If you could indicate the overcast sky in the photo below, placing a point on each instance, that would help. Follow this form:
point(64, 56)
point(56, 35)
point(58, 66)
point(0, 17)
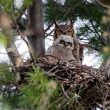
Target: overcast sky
point(90, 59)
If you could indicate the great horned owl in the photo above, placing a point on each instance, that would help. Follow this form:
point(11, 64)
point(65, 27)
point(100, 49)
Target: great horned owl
point(68, 30)
point(61, 50)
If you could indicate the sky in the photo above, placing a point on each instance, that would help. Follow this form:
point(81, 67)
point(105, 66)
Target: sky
point(89, 59)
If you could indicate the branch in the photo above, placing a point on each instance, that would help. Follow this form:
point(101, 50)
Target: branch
point(48, 34)
point(23, 37)
point(49, 26)
point(91, 47)
point(91, 21)
point(100, 37)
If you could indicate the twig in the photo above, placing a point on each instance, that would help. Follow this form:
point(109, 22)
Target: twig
point(49, 26)
point(52, 69)
point(23, 37)
point(48, 34)
point(104, 102)
point(64, 91)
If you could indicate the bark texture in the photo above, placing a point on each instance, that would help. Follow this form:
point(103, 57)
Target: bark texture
point(36, 23)
point(6, 23)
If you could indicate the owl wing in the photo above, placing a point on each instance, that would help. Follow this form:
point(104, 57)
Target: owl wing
point(78, 50)
point(52, 54)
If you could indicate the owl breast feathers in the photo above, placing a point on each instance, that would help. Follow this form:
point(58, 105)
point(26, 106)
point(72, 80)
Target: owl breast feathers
point(61, 50)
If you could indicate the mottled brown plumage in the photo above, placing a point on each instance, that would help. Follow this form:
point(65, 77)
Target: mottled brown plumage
point(68, 29)
point(61, 50)
point(64, 34)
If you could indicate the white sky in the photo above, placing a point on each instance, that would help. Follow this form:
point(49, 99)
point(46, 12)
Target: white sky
point(90, 60)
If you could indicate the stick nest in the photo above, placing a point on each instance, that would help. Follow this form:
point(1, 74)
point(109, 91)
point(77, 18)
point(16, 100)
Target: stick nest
point(88, 84)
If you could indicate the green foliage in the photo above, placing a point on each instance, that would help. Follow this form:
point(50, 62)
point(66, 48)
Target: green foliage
point(35, 94)
point(10, 8)
point(40, 93)
point(3, 39)
point(66, 103)
point(27, 3)
point(38, 90)
point(56, 11)
point(53, 11)
point(7, 5)
point(73, 9)
point(37, 83)
point(6, 76)
point(7, 37)
point(22, 9)
point(90, 13)
point(105, 53)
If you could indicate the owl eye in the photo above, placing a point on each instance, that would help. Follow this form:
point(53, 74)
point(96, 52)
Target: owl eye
point(69, 31)
point(58, 31)
point(63, 42)
point(69, 44)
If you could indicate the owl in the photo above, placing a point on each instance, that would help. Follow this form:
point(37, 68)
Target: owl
point(61, 50)
point(68, 30)
point(65, 29)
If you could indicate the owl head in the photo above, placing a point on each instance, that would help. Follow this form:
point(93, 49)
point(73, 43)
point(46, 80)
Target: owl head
point(65, 42)
point(66, 29)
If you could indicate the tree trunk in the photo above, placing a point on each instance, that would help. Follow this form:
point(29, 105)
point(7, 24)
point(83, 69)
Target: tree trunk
point(11, 49)
point(37, 40)
point(14, 55)
point(6, 23)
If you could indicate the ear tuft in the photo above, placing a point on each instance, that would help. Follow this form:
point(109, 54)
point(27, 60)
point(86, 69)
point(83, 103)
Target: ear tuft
point(56, 23)
point(70, 22)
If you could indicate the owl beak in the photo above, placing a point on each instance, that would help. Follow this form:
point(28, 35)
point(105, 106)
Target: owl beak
point(63, 33)
point(66, 44)
point(63, 45)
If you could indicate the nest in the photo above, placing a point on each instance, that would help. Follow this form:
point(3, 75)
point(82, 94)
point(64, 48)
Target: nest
point(85, 82)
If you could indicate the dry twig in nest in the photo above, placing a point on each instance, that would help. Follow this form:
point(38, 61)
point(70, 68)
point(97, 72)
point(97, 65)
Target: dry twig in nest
point(86, 82)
